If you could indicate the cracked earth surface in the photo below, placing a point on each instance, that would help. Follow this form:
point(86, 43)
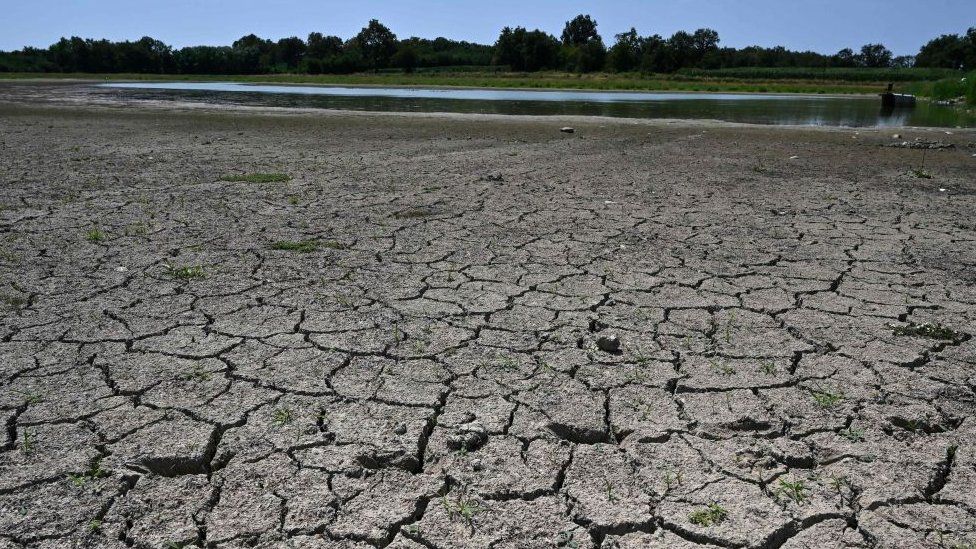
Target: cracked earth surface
point(427, 373)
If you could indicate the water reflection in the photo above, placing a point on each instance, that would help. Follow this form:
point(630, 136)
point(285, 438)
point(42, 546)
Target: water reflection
point(805, 110)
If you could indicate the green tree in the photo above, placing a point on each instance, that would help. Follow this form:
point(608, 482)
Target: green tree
point(579, 31)
point(875, 56)
point(706, 41)
point(322, 47)
point(625, 54)
point(377, 43)
point(406, 57)
point(289, 52)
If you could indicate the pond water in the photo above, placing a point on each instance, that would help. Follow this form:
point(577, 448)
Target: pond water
point(804, 110)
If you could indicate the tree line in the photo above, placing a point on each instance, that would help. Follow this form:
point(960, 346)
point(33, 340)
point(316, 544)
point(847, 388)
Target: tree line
point(580, 48)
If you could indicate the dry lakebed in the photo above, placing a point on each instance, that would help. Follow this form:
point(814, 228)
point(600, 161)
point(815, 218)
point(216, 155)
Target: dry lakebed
point(259, 327)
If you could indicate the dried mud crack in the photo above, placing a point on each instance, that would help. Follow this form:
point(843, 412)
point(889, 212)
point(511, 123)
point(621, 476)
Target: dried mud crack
point(271, 328)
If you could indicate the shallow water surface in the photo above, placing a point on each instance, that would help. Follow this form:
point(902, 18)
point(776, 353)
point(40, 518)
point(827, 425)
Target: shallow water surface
point(804, 110)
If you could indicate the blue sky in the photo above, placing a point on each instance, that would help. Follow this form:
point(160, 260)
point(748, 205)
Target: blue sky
point(821, 25)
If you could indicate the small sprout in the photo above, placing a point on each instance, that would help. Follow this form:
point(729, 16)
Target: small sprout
point(508, 363)
point(463, 507)
point(197, 373)
point(795, 490)
point(256, 178)
point(185, 273)
point(728, 328)
point(920, 173)
point(95, 235)
point(608, 487)
point(826, 399)
point(710, 516)
point(28, 441)
point(852, 434)
point(671, 480)
point(724, 369)
point(567, 539)
point(282, 416)
point(32, 398)
point(334, 245)
point(94, 471)
point(94, 525)
point(302, 246)
point(640, 357)
point(768, 368)
point(293, 200)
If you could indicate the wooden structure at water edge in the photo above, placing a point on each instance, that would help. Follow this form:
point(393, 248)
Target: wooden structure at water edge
point(891, 100)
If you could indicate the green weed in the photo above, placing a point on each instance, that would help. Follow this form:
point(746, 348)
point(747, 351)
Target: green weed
point(185, 273)
point(303, 246)
point(709, 516)
point(95, 235)
point(463, 507)
point(794, 490)
point(282, 416)
point(853, 435)
point(826, 399)
point(930, 331)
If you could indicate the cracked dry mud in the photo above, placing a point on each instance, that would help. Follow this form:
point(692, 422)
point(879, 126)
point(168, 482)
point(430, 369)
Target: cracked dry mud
point(429, 375)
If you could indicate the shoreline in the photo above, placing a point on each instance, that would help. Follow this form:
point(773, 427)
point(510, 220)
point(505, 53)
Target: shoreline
point(47, 95)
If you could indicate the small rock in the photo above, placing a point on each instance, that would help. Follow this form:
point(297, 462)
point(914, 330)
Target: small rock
point(468, 417)
point(469, 437)
point(567, 129)
point(477, 465)
point(400, 429)
point(896, 136)
point(609, 344)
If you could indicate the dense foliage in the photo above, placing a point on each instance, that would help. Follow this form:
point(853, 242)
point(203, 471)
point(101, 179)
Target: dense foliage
point(579, 49)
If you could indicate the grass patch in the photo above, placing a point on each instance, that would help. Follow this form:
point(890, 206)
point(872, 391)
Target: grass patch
point(919, 173)
point(282, 416)
point(95, 235)
point(13, 302)
point(301, 246)
point(185, 273)
point(709, 516)
point(826, 399)
point(930, 331)
point(256, 178)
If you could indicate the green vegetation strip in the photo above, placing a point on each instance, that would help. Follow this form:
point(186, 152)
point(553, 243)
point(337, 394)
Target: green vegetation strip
point(302, 246)
point(256, 178)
